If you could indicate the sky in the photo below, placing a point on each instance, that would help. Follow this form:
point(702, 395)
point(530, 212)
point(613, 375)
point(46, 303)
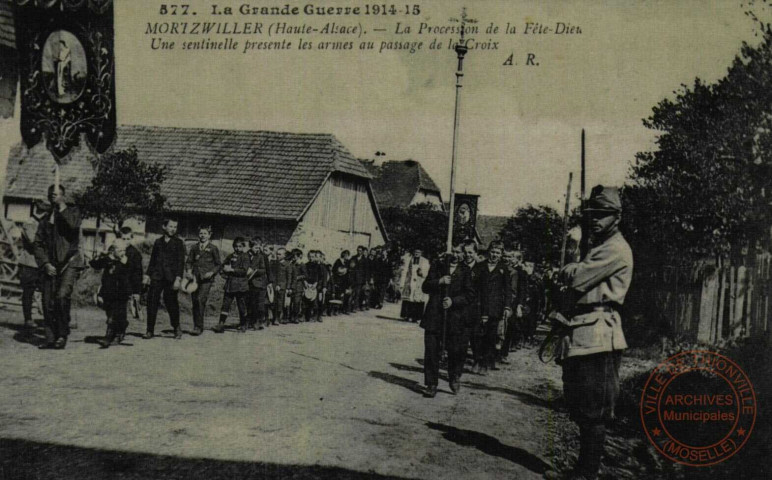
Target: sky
point(519, 126)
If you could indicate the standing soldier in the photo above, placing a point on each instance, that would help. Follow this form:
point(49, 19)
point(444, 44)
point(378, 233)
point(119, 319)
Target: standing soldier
point(56, 247)
point(450, 290)
point(591, 348)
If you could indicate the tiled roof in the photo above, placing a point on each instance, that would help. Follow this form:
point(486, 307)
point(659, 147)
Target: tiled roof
point(7, 35)
point(396, 182)
point(232, 172)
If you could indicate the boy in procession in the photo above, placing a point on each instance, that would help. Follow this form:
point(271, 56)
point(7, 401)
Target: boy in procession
point(164, 275)
point(298, 275)
point(115, 290)
point(234, 269)
point(341, 283)
point(281, 276)
point(203, 264)
point(258, 281)
point(314, 287)
point(494, 299)
point(135, 276)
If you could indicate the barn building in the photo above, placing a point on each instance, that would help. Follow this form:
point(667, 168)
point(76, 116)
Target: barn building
point(292, 189)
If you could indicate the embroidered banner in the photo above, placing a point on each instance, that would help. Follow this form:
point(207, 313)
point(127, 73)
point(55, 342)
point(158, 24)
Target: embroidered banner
point(465, 217)
point(67, 71)
point(9, 72)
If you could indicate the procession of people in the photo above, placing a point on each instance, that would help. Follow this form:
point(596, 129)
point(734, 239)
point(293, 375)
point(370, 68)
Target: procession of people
point(469, 302)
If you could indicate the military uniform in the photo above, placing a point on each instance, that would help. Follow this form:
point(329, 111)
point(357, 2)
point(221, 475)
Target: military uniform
point(590, 349)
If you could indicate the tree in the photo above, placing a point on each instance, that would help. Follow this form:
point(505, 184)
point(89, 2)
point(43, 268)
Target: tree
point(707, 186)
point(123, 187)
point(539, 232)
point(418, 226)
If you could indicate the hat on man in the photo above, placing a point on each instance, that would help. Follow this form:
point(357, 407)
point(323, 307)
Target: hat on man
point(604, 199)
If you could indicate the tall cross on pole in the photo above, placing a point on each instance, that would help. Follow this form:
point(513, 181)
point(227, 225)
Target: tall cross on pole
point(461, 50)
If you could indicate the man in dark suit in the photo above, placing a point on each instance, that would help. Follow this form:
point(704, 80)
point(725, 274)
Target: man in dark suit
point(259, 277)
point(514, 329)
point(56, 249)
point(450, 290)
point(281, 276)
point(314, 278)
point(164, 274)
point(382, 273)
point(494, 297)
point(358, 270)
point(341, 279)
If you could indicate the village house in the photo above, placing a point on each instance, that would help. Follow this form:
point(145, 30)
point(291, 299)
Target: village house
point(292, 189)
point(403, 183)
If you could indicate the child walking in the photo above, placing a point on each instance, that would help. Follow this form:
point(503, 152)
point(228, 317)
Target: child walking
point(234, 269)
point(116, 289)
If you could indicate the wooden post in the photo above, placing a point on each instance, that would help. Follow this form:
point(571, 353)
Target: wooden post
point(566, 211)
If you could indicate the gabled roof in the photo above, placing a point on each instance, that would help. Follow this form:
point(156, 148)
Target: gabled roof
point(231, 172)
point(396, 182)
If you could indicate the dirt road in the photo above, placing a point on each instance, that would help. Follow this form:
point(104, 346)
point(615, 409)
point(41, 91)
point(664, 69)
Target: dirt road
point(338, 399)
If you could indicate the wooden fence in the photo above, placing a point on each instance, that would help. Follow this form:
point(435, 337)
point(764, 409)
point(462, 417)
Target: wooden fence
point(712, 301)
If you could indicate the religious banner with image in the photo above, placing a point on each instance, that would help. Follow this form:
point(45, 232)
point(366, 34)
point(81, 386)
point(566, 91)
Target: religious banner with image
point(67, 73)
point(465, 217)
point(9, 74)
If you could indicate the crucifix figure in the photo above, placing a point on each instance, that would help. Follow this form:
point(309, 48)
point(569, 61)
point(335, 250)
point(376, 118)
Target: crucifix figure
point(463, 21)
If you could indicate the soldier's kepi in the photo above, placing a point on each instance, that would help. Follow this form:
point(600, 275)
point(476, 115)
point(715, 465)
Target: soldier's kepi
point(591, 346)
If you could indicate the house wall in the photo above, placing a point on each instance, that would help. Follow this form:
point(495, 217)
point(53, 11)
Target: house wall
point(341, 217)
